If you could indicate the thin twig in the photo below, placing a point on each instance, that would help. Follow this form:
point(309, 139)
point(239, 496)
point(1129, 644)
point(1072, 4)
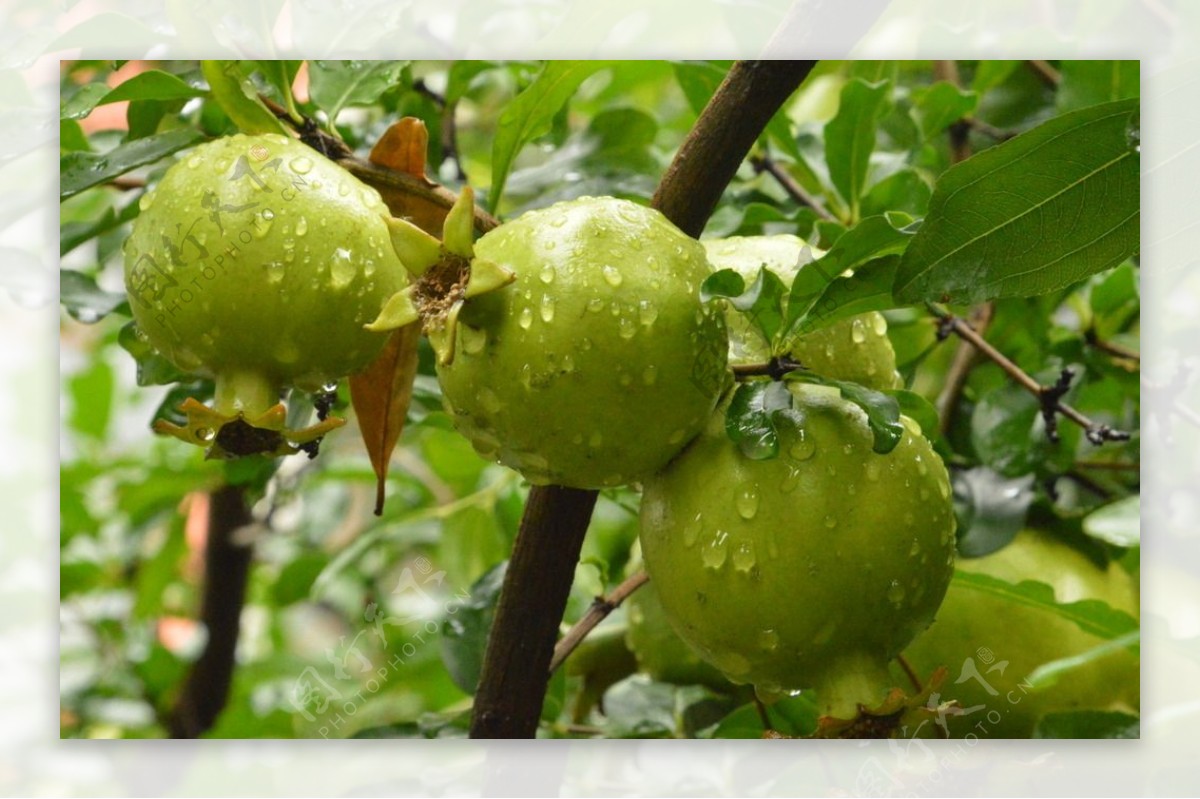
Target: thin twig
point(1047, 73)
point(965, 358)
point(1050, 396)
point(911, 673)
point(765, 163)
point(775, 368)
point(598, 612)
point(1112, 348)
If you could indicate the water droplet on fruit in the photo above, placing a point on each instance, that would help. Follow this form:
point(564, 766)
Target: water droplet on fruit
point(922, 469)
point(895, 592)
point(830, 521)
point(275, 272)
point(873, 471)
point(341, 268)
point(368, 267)
point(595, 440)
point(848, 449)
point(858, 331)
point(734, 664)
point(568, 363)
point(549, 244)
point(343, 189)
point(803, 447)
point(650, 375)
point(193, 162)
point(768, 640)
point(558, 221)
point(828, 350)
point(301, 226)
point(909, 518)
point(595, 305)
point(547, 308)
point(626, 328)
point(147, 200)
point(611, 275)
point(547, 274)
point(526, 318)
point(879, 325)
point(488, 400)
point(789, 483)
point(647, 312)
point(915, 549)
point(747, 501)
point(301, 165)
point(943, 489)
point(743, 557)
point(691, 530)
point(717, 550)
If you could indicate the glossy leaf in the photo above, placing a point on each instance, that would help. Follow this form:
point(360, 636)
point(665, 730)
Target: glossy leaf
point(238, 98)
point(1031, 215)
point(80, 170)
point(334, 85)
point(941, 105)
point(530, 114)
point(85, 300)
point(1118, 523)
point(464, 634)
point(868, 289)
point(1086, 83)
point(1090, 615)
point(753, 415)
point(882, 410)
point(761, 302)
point(991, 509)
point(850, 137)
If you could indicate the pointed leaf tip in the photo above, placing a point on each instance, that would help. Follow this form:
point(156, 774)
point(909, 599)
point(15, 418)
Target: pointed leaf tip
point(398, 311)
point(416, 249)
point(458, 232)
point(487, 276)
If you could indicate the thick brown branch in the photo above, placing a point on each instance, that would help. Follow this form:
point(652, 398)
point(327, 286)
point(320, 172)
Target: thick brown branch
point(598, 612)
point(516, 664)
point(709, 158)
point(765, 163)
point(226, 566)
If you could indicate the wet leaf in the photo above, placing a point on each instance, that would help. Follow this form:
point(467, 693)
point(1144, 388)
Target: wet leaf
point(238, 98)
point(82, 170)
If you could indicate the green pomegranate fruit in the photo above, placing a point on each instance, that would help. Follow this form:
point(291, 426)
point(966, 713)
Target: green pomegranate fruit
point(993, 645)
point(585, 358)
point(660, 652)
point(806, 571)
point(855, 349)
point(256, 261)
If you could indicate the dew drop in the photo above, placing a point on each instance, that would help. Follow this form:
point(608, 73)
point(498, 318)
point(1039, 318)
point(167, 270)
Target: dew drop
point(147, 200)
point(768, 640)
point(488, 400)
point(595, 305)
point(743, 557)
point(943, 489)
point(848, 449)
point(369, 268)
point(803, 447)
point(301, 226)
point(790, 482)
point(734, 664)
point(341, 268)
point(717, 550)
point(830, 521)
point(922, 468)
point(301, 165)
point(873, 471)
point(647, 312)
point(568, 363)
point(626, 328)
point(611, 275)
point(747, 501)
point(858, 331)
point(526, 318)
point(343, 189)
point(549, 244)
point(915, 549)
point(275, 272)
point(895, 592)
point(193, 162)
point(547, 308)
point(558, 221)
point(879, 325)
point(547, 274)
point(691, 530)
point(828, 350)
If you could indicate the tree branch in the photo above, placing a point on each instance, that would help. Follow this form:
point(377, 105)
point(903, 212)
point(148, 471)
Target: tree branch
point(765, 163)
point(226, 567)
point(1045, 72)
point(516, 664)
point(598, 612)
point(965, 358)
point(1049, 396)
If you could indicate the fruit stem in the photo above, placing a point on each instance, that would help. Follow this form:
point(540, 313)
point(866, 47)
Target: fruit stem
point(248, 393)
point(852, 679)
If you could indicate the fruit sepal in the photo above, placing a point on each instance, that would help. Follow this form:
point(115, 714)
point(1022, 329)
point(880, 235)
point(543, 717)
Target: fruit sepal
point(898, 715)
point(246, 419)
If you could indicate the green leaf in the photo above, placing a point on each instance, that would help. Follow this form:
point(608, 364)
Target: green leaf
point(868, 289)
point(871, 238)
point(152, 368)
point(850, 137)
point(153, 84)
point(1034, 214)
point(91, 392)
point(84, 300)
point(990, 74)
point(73, 234)
point(1090, 615)
point(1088, 724)
point(1048, 674)
point(71, 136)
point(941, 105)
point(1086, 83)
point(790, 715)
point(530, 114)
point(334, 85)
point(752, 416)
point(1118, 523)
point(919, 409)
point(465, 632)
point(81, 103)
point(281, 75)
point(238, 98)
point(78, 170)
point(762, 303)
point(882, 410)
point(990, 508)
